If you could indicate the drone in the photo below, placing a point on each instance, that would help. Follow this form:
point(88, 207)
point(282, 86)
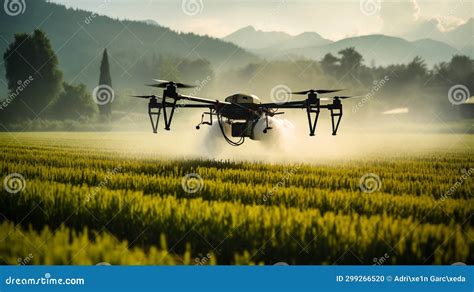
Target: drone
point(240, 112)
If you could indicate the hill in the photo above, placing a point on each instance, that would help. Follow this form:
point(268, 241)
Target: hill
point(384, 50)
point(273, 41)
point(250, 38)
point(79, 37)
point(379, 49)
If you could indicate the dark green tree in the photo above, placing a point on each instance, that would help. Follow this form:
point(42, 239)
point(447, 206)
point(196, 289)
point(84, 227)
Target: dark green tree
point(416, 70)
point(192, 71)
point(105, 88)
point(330, 64)
point(75, 102)
point(350, 60)
point(460, 68)
point(34, 80)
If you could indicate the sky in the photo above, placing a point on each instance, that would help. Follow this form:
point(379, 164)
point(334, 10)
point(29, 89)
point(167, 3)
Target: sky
point(332, 19)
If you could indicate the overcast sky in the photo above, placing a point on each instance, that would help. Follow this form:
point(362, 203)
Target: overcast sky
point(332, 19)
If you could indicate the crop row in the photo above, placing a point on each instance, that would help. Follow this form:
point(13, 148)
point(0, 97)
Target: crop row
point(422, 208)
point(63, 246)
point(400, 177)
point(267, 233)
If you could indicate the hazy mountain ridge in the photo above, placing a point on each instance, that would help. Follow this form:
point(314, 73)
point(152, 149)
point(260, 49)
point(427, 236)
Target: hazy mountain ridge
point(377, 48)
point(250, 38)
point(458, 37)
point(385, 50)
point(273, 41)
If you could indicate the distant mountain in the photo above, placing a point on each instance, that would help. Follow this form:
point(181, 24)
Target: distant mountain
point(272, 41)
point(379, 49)
point(250, 38)
point(459, 38)
point(382, 50)
point(306, 39)
point(79, 37)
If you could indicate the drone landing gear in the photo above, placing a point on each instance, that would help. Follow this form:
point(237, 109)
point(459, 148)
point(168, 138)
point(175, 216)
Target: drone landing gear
point(336, 116)
point(209, 123)
point(170, 118)
point(154, 112)
point(313, 121)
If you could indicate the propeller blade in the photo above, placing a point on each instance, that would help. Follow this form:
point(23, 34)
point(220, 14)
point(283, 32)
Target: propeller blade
point(145, 96)
point(161, 81)
point(301, 92)
point(165, 83)
point(182, 85)
point(159, 85)
point(340, 97)
point(345, 97)
point(320, 91)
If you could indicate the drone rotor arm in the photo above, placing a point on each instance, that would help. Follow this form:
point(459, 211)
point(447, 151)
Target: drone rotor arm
point(203, 100)
point(290, 104)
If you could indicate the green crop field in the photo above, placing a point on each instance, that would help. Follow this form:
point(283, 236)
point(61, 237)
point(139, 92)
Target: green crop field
point(81, 198)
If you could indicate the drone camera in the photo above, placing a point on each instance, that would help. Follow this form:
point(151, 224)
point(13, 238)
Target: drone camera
point(242, 129)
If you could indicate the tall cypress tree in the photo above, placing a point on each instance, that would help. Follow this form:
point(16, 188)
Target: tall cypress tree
point(105, 79)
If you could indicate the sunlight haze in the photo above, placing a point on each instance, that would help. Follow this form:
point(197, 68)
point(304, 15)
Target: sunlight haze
point(332, 19)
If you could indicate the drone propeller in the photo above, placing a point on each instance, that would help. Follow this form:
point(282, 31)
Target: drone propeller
point(339, 97)
point(166, 83)
point(346, 97)
point(145, 96)
point(320, 91)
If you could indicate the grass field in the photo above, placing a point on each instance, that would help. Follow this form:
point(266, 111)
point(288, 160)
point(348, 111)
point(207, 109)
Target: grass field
point(71, 198)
